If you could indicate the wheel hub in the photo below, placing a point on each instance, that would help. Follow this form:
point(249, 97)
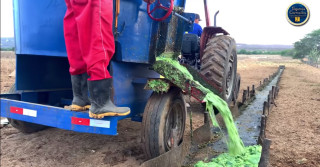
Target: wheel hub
point(174, 127)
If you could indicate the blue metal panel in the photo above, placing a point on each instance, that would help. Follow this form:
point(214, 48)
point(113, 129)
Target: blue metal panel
point(35, 72)
point(52, 97)
point(11, 96)
point(56, 117)
point(190, 16)
point(39, 27)
point(55, 98)
point(135, 29)
point(129, 80)
point(138, 32)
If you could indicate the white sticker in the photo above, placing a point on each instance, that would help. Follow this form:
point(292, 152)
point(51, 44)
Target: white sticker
point(99, 123)
point(28, 112)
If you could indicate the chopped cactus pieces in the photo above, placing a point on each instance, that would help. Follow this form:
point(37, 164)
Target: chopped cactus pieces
point(238, 155)
point(159, 85)
point(249, 158)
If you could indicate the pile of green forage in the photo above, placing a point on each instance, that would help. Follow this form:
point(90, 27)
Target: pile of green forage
point(238, 155)
point(250, 158)
point(159, 86)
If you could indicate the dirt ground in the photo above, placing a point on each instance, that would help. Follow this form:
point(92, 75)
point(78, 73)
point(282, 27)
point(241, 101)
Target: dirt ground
point(294, 125)
point(8, 65)
point(55, 147)
point(254, 68)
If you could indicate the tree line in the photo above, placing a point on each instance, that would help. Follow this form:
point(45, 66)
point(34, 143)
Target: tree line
point(307, 47)
point(258, 52)
point(7, 49)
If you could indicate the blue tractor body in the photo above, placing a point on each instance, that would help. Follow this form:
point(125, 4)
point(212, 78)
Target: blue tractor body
point(43, 85)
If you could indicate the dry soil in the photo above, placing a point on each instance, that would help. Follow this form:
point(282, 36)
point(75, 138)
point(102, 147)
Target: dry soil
point(294, 125)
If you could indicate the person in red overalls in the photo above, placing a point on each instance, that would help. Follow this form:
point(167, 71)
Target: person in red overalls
point(90, 47)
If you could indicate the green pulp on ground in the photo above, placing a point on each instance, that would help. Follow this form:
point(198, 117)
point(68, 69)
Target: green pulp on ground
point(178, 74)
point(250, 158)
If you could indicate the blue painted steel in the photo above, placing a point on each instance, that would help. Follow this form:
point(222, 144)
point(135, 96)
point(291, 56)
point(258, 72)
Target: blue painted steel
point(11, 96)
point(137, 31)
point(52, 97)
point(190, 16)
point(56, 117)
point(39, 27)
point(35, 72)
point(129, 80)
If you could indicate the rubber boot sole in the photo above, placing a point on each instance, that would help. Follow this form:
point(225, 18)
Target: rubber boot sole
point(108, 114)
point(74, 107)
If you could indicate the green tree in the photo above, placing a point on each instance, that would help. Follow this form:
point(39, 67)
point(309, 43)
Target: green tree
point(7, 49)
point(306, 45)
point(288, 52)
point(314, 56)
point(242, 51)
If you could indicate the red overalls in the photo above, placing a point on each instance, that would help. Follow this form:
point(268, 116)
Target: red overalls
point(89, 37)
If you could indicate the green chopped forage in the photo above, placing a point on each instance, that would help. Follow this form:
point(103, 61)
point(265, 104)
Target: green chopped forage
point(179, 75)
point(159, 85)
point(249, 158)
point(235, 144)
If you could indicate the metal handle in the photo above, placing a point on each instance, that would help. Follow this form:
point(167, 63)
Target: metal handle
point(183, 18)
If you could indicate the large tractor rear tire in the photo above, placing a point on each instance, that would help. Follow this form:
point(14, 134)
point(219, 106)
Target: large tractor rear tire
point(219, 65)
point(163, 122)
point(22, 126)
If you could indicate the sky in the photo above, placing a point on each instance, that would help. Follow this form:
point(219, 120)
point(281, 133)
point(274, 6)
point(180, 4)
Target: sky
point(247, 21)
point(258, 21)
point(6, 18)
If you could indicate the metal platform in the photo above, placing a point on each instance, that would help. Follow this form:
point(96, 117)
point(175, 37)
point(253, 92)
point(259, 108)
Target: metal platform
point(58, 117)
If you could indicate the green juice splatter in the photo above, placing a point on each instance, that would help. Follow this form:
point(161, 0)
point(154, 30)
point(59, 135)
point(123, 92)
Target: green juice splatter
point(178, 74)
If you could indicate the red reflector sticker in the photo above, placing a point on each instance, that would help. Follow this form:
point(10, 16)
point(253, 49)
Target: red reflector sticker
point(16, 110)
point(90, 122)
point(80, 121)
point(23, 111)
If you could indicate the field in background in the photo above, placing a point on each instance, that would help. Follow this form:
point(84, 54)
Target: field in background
point(254, 68)
point(8, 66)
